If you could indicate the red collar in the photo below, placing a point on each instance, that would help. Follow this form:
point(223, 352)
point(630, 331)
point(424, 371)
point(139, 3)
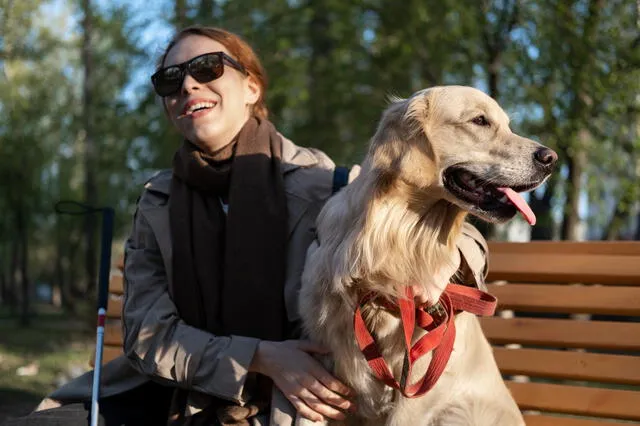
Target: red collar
point(438, 321)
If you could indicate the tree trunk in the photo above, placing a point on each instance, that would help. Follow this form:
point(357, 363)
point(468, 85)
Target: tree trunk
point(206, 9)
point(59, 272)
point(4, 272)
point(180, 17)
point(493, 77)
point(3, 289)
point(23, 239)
point(90, 164)
point(615, 225)
point(73, 275)
point(621, 214)
point(571, 218)
point(3, 279)
point(542, 207)
point(14, 275)
point(322, 45)
point(62, 281)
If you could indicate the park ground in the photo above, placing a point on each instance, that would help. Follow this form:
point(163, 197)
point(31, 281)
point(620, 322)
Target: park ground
point(34, 360)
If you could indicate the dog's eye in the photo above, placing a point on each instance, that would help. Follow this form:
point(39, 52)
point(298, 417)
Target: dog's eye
point(481, 120)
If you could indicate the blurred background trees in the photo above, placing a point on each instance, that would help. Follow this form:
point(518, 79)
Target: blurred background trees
point(78, 118)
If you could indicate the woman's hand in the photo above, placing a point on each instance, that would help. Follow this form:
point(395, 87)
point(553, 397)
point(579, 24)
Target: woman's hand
point(314, 392)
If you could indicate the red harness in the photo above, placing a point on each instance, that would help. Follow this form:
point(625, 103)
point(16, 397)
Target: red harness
point(437, 320)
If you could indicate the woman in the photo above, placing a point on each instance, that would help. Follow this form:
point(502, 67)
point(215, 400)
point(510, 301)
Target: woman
point(213, 264)
point(240, 202)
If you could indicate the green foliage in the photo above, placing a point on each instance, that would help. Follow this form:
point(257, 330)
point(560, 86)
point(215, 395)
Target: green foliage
point(579, 76)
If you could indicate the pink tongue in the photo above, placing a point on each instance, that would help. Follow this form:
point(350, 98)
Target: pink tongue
point(517, 200)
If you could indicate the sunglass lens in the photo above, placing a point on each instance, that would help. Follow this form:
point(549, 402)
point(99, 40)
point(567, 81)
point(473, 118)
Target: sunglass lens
point(168, 81)
point(206, 68)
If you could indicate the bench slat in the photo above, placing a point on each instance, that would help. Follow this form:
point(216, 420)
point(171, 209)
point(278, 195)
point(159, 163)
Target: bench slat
point(568, 299)
point(600, 402)
point(614, 248)
point(110, 353)
point(116, 284)
point(563, 333)
point(540, 420)
point(544, 267)
point(114, 306)
point(113, 333)
point(119, 264)
point(569, 365)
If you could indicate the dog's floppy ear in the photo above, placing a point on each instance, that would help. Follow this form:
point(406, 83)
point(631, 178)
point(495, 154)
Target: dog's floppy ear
point(418, 111)
point(390, 127)
point(388, 145)
point(417, 118)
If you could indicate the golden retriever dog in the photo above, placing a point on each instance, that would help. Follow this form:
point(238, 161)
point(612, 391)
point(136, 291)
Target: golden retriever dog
point(436, 157)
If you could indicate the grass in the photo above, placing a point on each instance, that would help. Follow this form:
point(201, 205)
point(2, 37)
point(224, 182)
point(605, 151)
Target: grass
point(56, 343)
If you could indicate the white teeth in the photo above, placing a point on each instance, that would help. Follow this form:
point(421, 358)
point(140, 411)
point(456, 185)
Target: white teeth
point(200, 105)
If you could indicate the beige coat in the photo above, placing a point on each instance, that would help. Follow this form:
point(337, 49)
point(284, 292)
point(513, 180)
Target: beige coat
point(158, 344)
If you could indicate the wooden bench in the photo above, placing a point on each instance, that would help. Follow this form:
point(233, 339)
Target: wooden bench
point(113, 325)
point(577, 370)
point(570, 324)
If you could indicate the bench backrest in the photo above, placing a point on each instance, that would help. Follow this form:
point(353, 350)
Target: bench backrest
point(567, 334)
point(113, 326)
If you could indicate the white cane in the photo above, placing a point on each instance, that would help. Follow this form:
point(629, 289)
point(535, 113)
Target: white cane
point(103, 299)
point(95, 391)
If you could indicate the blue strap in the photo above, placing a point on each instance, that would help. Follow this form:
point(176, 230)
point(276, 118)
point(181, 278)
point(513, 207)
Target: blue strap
point(340, 178)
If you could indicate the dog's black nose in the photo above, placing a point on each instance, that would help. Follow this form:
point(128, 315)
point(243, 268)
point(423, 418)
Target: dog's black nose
point(546, 157)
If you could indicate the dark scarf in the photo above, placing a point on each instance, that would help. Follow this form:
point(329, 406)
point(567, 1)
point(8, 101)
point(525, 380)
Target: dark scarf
point(229, 270)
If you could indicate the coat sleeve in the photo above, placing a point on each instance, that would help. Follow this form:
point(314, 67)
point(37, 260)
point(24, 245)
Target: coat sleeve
point(161, 345)
point(475, 257)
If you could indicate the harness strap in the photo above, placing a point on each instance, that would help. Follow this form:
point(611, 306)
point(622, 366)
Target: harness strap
point(437, 321)
point(340, 178)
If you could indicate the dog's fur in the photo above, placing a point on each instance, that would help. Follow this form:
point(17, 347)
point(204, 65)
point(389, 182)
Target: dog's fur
point(397, 225)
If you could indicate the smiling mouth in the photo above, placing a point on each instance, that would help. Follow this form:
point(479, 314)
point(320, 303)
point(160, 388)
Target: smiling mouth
point(198, 107)
point(488, 200)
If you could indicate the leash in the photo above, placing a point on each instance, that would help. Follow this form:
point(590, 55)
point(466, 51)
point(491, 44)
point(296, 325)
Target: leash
point(437, 320)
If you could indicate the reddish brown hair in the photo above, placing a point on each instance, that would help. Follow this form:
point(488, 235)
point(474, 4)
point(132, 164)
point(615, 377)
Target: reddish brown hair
point(239, 49)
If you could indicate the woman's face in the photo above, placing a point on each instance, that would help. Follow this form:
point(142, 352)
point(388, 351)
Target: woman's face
point(228, 100)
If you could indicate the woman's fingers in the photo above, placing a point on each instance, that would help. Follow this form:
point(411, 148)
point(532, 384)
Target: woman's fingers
point(325, 394)
point(304, 410)
point(308, 404)
point(320, 407)
point(328, 380)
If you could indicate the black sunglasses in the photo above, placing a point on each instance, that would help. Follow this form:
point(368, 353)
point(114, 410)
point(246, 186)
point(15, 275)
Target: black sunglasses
point(204, 68)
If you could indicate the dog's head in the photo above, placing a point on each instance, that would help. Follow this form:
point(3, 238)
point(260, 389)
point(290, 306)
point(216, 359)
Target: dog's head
point(455, 143)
